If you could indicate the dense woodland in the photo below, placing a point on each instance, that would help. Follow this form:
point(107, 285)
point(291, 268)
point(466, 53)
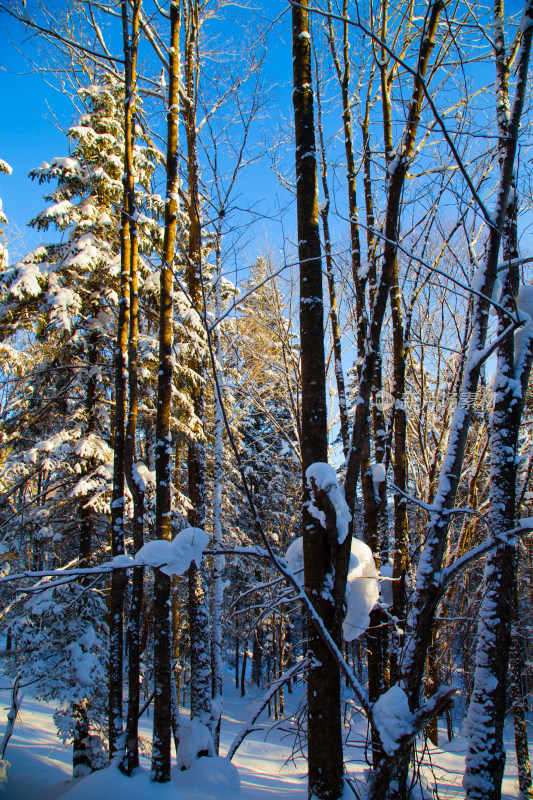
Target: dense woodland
point(309, 460)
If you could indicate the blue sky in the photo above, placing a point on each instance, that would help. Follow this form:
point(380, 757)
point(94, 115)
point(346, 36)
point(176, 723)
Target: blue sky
point(34, 111)
point(28, 134)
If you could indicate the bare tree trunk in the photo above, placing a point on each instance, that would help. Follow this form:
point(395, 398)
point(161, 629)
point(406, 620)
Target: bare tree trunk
point(162, 582)
point(218, 570)
point(201, 684)
point(325, 761)
point(485, 759)
point(119, 577)
point(516, 669)
point(333, 313)
point(135, 484)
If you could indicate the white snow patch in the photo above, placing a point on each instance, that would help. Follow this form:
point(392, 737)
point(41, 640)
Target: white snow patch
point(214, 777)
point(386, 582)
point(324, 477)
point(362, 592)
point(392, 717)
point(195, 738)
point(295, 555)
point(110, 782)
point(175, 557)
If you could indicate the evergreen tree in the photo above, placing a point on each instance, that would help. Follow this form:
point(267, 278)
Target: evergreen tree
point(63, 297)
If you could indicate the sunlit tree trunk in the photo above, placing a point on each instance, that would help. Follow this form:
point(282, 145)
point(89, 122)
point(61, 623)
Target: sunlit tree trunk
point(162, 582)
point(325, 761)
point(134, 481)
point(485, 760)
point(118, 577)
point(201, 687)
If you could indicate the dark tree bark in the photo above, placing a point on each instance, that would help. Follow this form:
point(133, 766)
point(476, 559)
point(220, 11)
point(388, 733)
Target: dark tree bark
point(119, 577)
point(201, 683)
point(325, 762)
point(162, 582)
point(131, 754)
point(516, 670)
point(485, 760)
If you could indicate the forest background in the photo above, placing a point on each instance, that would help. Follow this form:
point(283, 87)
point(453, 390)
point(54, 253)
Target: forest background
point(156, 381)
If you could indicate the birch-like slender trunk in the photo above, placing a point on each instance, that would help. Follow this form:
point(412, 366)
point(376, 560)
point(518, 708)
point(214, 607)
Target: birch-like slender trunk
point(333, 311)
point(218, 566)
point(516, 673)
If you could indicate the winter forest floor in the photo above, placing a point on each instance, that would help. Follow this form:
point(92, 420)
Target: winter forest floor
point(41, 767)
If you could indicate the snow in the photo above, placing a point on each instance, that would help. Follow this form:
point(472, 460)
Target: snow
point(523, 335)
point(175, 557)
point(378, 473)
point(362, 592)
point(386, 582)
point(478, 278)
point(111, 782)
point(195, 738)
point(525, 300)
point(324, 478)
point(392, 717)
point(295, 555)
point(41, 767)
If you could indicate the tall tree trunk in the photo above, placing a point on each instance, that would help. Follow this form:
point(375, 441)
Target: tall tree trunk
point(119, 577)
point(333, 312)
point(134, 481)
point(162, 582)
point(325, 761)
point(516, 669)
point(485, 759)
point(201, 687)
point(218, 570)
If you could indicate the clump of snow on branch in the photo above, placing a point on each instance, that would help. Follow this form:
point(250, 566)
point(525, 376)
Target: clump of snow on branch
point(322, 477)
point(523, 336)
point(175, 557)
point(392, 717)
point(295, 555)
point(362, 591)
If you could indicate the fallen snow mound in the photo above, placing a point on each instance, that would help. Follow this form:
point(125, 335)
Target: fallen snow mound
point(111, 784)
point(195, 739)
point(209, 777)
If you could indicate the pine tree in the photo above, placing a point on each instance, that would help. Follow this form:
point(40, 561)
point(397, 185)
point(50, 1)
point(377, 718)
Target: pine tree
point(64, 297)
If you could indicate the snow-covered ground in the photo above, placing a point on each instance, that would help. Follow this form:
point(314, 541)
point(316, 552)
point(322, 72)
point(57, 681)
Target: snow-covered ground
point(41, 768)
